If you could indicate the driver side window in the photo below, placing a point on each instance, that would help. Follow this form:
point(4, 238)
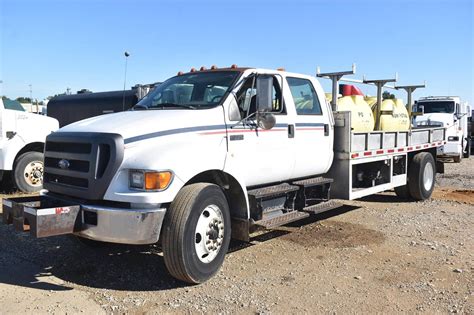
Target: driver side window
point(247, 98)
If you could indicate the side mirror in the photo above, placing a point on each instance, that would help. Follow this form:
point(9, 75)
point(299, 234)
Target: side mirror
point(234, 113)
point(421, 109)
point(266, 120)
point(264, 93)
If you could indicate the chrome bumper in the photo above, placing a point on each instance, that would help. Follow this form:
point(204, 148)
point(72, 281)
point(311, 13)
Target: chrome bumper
point(126, 226)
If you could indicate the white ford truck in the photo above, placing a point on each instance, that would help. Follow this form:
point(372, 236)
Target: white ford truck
point(452, 113)
point(22, 138)
point(214, 154)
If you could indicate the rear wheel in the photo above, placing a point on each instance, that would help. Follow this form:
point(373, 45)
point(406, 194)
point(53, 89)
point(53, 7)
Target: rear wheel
point(196, 233)
point(421, 176)
point(403, 192)
point(28, 172)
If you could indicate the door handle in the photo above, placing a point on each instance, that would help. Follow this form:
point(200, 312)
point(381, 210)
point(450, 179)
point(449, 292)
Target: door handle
point(326, 130)
point(291, 131)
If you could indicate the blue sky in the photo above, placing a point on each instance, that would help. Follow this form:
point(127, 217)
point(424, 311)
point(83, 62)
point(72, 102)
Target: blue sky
point(55, 44)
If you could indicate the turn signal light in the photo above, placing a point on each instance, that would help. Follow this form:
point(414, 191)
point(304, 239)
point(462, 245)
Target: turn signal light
point(157, 180)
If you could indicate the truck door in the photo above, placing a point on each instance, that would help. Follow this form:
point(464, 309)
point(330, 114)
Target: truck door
point(260, 156)
point(313, 133)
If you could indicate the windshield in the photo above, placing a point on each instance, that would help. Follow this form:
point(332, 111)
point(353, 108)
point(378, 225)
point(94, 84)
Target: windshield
point(14, 105)
point(192, 90)
point(438, 107)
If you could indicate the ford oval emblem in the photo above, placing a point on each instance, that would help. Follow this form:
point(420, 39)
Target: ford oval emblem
point(64, 164)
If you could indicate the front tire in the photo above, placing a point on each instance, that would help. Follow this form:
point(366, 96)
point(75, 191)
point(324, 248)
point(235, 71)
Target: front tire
point(421, 176)
point(28, 172)
point(467, 153)
point(196, 233)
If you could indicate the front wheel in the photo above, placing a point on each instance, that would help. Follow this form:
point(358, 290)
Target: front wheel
point(196, 233)
point(28, 172)
point(421, 176)
point(467, 153)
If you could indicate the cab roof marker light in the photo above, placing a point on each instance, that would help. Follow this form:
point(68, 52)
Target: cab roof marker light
point(202, 68)
point(213, 67)
point(234, 66)
point(192, 70)
point(180, 73)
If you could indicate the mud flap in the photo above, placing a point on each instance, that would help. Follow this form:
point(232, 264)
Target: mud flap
point(41, 216)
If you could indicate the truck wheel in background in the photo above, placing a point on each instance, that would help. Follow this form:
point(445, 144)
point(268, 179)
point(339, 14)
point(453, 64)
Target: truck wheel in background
point(467, 153)
point(421, 176)
point(403, 192)
point(28, 172)
point(196, 233)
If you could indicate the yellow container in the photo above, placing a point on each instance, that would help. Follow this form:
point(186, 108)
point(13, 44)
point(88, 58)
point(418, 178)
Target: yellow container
point(397, 120)
point(371, 100)
point(362, 119)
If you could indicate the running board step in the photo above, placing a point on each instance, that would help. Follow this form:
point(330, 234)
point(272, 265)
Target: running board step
point(281, 219)
point(276, 190)
point(322, 207)
point(315, 181)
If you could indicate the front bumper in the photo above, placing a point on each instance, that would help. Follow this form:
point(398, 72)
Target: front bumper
point(127, 226)
point(44, 216)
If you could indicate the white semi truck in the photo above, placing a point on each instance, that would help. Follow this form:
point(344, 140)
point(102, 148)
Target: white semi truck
point(22, 138)
point(452, 113)
point(212, 155)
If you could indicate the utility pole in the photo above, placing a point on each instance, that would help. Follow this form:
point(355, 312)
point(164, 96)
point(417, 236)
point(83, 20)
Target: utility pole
point(126, 54)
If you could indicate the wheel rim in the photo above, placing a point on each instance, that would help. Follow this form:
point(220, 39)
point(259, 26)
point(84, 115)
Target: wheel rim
point(33, 173)
point(428, 176)
point(209, 234)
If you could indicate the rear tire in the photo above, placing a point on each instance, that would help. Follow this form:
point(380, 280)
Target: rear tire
point(196, 233)
point(421, 176)
point(403, 192)
point(28, 172)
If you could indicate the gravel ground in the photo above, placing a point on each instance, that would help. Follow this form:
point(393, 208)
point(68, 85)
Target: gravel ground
point(377, 255)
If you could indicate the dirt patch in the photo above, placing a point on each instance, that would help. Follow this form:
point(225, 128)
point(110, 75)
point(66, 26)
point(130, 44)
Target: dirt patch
point(335, 234)
point(459, 195)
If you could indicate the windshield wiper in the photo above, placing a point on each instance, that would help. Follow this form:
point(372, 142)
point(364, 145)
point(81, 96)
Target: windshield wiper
point(172, 105)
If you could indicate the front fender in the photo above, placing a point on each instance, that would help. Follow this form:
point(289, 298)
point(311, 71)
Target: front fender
point(186, 155)
point(9, 148)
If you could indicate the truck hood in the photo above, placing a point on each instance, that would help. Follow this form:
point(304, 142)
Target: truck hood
point(133, 124)
point(442, 119)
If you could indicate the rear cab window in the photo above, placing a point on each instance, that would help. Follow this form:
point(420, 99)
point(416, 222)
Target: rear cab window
point(304, 96)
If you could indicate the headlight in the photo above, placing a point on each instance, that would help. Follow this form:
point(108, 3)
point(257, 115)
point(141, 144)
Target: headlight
point(149, 180)
point(453, 138)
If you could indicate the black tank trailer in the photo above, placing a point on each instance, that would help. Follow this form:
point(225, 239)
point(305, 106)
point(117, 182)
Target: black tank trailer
point(74, 107)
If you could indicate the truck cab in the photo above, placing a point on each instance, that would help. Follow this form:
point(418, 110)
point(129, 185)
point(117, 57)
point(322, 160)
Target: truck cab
point(22, 138)
point(449, 112)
